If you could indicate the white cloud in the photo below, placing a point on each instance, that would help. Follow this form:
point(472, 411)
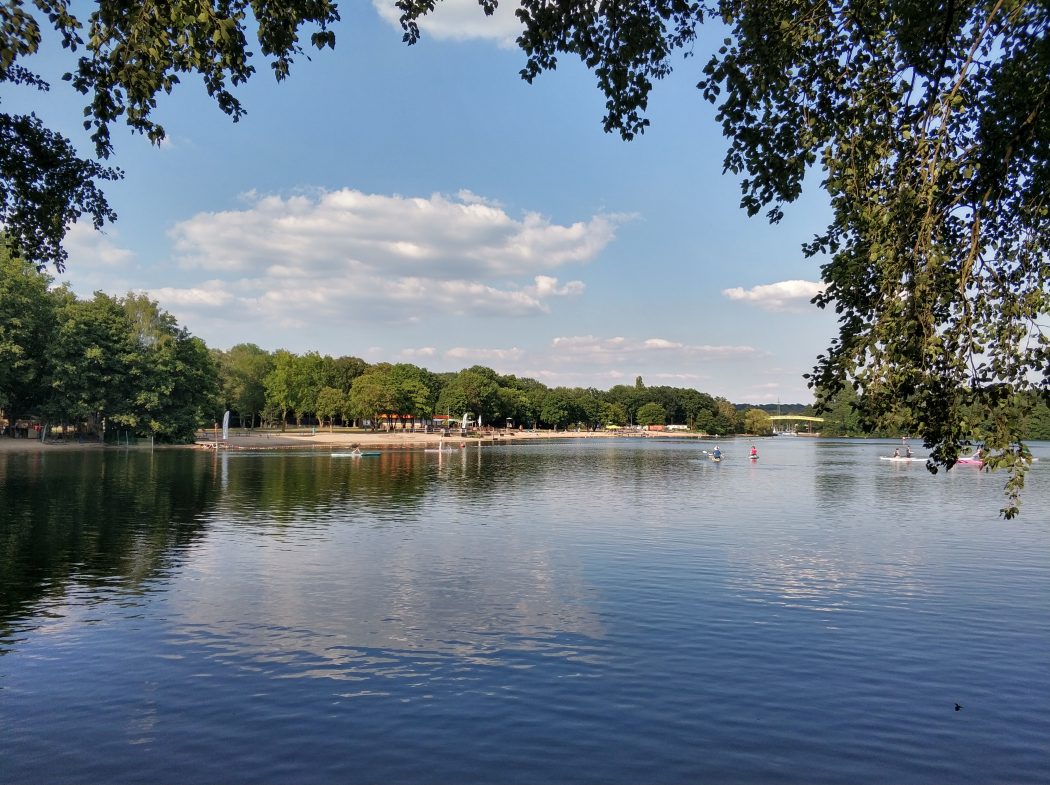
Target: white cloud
point(588, 350)
point(415, 355)
point(461, 20)
point(780, 296)
point(349, 231)
point(210, 294)
point(475, 355)
point(91, 249)
point(344, 255)
point(546, 286)
point(96, 261)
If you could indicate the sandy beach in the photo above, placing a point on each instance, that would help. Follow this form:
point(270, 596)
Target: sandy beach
point(341, 439)
point(381, 440)
point(9, 444)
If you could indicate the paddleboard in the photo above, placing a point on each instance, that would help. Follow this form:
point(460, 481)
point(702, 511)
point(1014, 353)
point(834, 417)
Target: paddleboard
point(355, 454)
point(901, 459)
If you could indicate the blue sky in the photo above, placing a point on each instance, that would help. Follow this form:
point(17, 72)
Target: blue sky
point(424, 204)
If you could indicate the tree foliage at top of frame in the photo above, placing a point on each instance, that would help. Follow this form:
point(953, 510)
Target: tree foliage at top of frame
point(128, 53)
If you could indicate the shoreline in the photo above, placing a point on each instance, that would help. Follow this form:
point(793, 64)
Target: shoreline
point(277, 440)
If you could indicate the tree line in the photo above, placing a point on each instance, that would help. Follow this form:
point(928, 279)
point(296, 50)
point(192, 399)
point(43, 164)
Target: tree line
point(310, 388)
point(104, 362)
point(123, 363)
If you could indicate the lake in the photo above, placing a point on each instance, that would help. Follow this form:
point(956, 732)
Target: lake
point(614, 611)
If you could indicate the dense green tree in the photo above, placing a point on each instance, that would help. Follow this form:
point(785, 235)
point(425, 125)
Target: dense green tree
point(651, 413)
point(587, 407)
point(94, 362)
point(725, 420)
point(520, 399)
point(374, 393)
point(556, 410)
point(613, 414)
point(704, 421)
point(174, 383)
point(310, 374)
point(514, 405)
point(840, 415)
point(1037, 419)
point(475, 391)
point(345, 370)
point(27, 324)
point(630, 398)
point(757, 422)
point(415, 390)
point(243, 370)
point(281, 386)
point(331, 402)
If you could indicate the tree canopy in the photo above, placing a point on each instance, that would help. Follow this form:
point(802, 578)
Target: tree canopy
point(925, 120)
point(128, 54)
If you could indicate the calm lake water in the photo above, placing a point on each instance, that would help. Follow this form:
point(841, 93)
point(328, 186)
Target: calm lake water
point(594, 611)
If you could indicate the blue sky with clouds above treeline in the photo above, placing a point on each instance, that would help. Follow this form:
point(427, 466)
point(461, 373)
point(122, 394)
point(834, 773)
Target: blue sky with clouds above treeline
point(424, 204)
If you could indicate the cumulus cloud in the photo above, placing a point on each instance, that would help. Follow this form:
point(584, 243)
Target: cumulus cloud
point(348, 231)
point(546, 286)
point(475, 355)
point(589, 350)
point(96, 261)
point(348, 255)
point(461, 20)
point(90, 248)
point(418, 354)
point(780, 296)
point(210, 294)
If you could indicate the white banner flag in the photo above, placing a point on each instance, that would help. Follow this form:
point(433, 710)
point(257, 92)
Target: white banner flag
point(226, 425)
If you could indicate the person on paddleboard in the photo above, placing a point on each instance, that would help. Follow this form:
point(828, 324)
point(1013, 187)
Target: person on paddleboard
point(896, 452)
